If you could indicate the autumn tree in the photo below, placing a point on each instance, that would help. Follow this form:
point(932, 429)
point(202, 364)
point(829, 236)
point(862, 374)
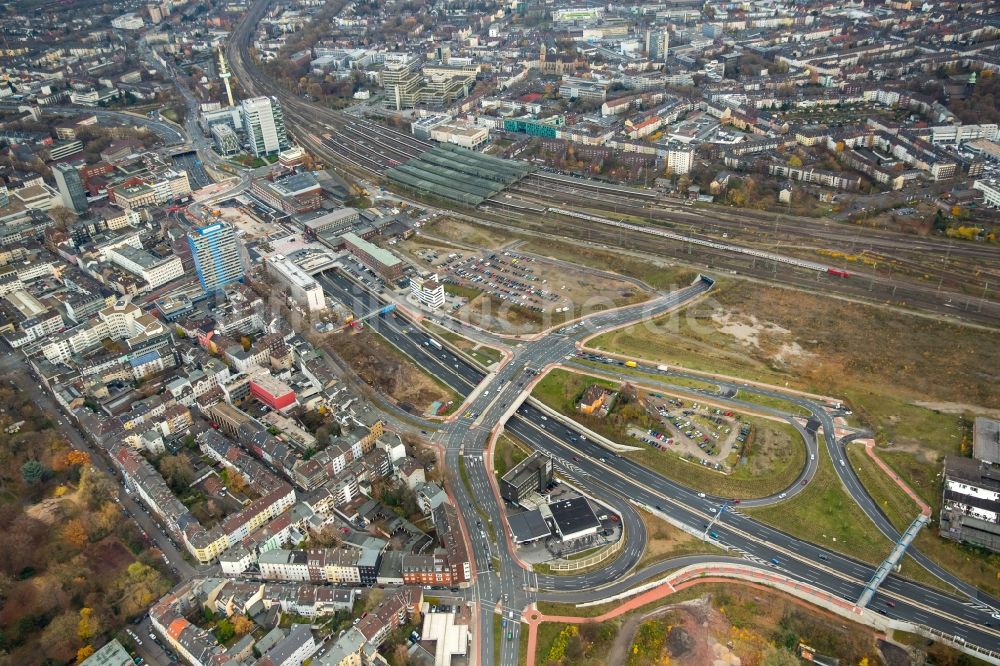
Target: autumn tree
point(237, 483)
point(137, 588)
point(88, 626)
point(242, 625)
point(59, 638)
point(96, 487)
point(75, 533)
point(83, 653)
point(177, 472)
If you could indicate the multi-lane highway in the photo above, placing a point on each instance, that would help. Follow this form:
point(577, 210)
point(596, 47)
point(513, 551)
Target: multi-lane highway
point(503, 584)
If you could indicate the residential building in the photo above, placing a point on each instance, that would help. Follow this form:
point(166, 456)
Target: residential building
point(217, 257)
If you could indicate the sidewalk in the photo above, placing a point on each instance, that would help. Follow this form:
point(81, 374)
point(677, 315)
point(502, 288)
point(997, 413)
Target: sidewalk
point(870, 450)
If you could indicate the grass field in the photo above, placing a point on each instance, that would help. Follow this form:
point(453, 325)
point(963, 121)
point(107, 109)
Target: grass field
point(770, 401)
point(914, 381)
point(969, 564)
point(665, 541)
point(659, 276)
point(507, 454)
point(825, 514)
point(776, 459)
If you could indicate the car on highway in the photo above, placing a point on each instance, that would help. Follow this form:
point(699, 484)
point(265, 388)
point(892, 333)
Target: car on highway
point(510, 635)
point(775, 561)
point(890, 603)
point(576, 458)
point(701, 495)
point(782, 495)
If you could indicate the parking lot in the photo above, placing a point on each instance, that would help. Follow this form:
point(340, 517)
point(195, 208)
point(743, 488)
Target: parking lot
point(717, 438)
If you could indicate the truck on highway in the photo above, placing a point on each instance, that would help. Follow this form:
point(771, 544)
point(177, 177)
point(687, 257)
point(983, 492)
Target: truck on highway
point(434, 343)
point(662, 368)
point(631, 364)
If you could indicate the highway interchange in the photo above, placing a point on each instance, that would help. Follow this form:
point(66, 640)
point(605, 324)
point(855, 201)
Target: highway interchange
point(497, 397)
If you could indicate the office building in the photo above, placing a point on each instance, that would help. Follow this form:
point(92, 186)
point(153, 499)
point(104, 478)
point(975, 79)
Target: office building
point(381, 261)
point(264, 124)
point(71, 189)
point(531, 475)
point(428, 291)
point(216, 254)
point(657, 44)
point(304, 289)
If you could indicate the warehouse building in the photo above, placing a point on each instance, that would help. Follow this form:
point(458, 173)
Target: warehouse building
point(970, 503)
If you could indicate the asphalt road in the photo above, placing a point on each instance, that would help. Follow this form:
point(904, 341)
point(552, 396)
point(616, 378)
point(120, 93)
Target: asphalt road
point(165, 131)
point(619, 478)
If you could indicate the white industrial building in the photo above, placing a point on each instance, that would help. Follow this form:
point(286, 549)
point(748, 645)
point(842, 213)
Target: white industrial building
point(305, 290)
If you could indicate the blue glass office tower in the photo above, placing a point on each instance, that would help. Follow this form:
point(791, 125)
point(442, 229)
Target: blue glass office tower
point(216, 254)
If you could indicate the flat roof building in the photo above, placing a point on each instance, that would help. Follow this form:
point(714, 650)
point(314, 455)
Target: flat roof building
point(531, 475)
point(305, 290)
point(574, 518)
point(528, 526)
point(986, 440)
point(970, 503)
point(381, 261)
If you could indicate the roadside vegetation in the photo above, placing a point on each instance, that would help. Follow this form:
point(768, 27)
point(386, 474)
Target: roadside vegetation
point(483, 354)
point(825, 514)
point(703, 624)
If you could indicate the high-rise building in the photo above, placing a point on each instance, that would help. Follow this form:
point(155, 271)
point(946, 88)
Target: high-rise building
point(70, 187)
point(657, 44)
point(264, 124)
point(216, 254)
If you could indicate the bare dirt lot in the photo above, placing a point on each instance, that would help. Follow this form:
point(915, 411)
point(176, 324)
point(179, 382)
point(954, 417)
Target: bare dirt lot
point(382, 367)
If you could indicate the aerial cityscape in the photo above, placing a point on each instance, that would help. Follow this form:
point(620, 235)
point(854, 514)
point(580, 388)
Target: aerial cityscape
point(499, 333)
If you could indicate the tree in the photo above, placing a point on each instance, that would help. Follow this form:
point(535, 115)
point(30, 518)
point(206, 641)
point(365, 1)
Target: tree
point(59, 637)
point(96, 487)
point(242, 625)
point(32, 472)
point(75, 533)
point(88, 627)
point(795, 161)
point(62, 216)
point(137, 588)
point(237, 483)
point(224, 630)
point(83, 653)
point(177, 472)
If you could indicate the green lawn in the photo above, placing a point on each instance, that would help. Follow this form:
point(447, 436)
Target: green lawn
point(461, 291)
point(506, 454)
point(826, 515)
point(770, 401)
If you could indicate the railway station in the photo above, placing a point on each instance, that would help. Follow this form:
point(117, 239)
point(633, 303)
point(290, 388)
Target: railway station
point(457, 174)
